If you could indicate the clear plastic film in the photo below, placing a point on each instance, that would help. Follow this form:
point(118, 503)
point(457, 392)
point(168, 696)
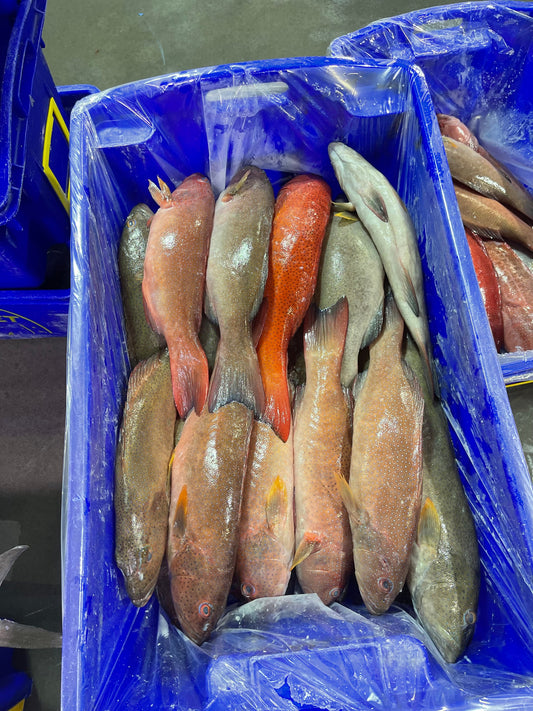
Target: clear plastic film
point(477, 58)
point(291, 652)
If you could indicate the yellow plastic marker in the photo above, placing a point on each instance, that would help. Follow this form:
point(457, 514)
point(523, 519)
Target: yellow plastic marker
point(55, 114)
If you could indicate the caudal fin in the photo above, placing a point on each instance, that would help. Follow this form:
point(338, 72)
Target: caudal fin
point(236, 376)
point(190, 376)
point(277, 410)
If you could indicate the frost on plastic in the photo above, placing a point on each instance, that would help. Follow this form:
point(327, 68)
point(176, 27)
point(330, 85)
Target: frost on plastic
point(289, 653)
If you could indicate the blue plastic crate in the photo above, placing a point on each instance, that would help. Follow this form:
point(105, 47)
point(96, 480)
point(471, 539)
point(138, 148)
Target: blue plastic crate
point(34, 180)
point(36, 313)
point(280, 115)
point(15, 686)
point(477, 59)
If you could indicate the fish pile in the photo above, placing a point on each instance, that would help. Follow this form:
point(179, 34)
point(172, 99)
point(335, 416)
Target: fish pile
point(497, 213)
point(289, 421)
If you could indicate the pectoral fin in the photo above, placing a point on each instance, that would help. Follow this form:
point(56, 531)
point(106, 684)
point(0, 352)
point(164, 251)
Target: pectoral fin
point(376, 204)
point(348, 498)
point(180, 518)
point(429, 526)
point(308, 545)
point(277, 504)
point(409, 292)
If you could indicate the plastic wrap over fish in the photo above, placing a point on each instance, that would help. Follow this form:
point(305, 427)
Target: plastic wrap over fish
point(477, 59)
point(295, 653)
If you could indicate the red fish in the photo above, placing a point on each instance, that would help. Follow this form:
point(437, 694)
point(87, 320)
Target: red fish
point(488, 284)
point(516, 287)
point(174, 279)
point(300, 219)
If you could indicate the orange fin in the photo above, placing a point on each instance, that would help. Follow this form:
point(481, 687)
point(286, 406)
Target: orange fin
point(277, 504)
point(190, 376)
point(308, 545)
point(277, 411)
point(180, 517)
point(429, 526)
point(161, 194)
point(348, 497)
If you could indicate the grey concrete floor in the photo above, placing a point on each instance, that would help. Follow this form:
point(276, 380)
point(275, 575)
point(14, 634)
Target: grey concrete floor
point(107, 43)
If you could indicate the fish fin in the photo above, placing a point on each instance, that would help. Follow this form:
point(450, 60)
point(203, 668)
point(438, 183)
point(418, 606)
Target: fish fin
point(190, 376)
point(277, 504)
point(348, 497)
point(180, 516)
point(344, 207)
point(7, 560)
point(483, 232)
point(374, 327)
point(161, 195)
point(350, 216)
point(259, 322)
point(375, 203)
point(178, 429)
point(234, 189)
point(236, 376)
point(308, 545)
point(409, 292)
point(358, 385)
point(429, 526)
point(326, 328)
point(170, 463)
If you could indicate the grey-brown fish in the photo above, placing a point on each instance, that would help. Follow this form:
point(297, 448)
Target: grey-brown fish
point(141, 500)
point(266, 532)
point(384, 493)
point(236, 273)
point(322, 445)
point(351, 266)
point(489, 218)
point(208, 469)
point(444, 571)
point(472, 169)
point(385, 216)
point(142, 341)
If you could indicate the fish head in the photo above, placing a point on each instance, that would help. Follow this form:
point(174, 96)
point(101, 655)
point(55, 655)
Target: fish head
point(265, 570)
point(198, 600)
point(447, 611)
point(140, 568)
point(380, 573)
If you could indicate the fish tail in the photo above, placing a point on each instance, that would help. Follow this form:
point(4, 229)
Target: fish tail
point(325, 330)
point(190, 376)
point(236, 376)
point(277, 410)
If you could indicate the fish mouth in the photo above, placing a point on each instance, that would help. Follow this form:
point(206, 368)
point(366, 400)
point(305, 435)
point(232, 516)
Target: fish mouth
point(140, 597)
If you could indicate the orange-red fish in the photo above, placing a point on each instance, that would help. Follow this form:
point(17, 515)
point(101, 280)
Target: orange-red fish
point(322, 445)
point(516, 287)
point(300, 219)
point(266, 536)
point(208, 469)
point(174, 279)
point(488, 284)
point(384, 494)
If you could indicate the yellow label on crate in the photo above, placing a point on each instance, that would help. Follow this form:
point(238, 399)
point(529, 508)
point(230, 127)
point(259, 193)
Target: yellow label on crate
point(19, 706)
point(10, 320)
point(55, 115)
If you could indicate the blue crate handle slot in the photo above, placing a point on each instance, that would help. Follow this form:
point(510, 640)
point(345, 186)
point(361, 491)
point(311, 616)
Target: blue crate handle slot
point(55, 115)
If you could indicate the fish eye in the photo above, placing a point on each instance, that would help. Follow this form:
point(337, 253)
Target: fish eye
point(385, 584)
point(204, 609)
point(247, 589)
point(334, 593)
point(131, 222)
point(469, 617)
